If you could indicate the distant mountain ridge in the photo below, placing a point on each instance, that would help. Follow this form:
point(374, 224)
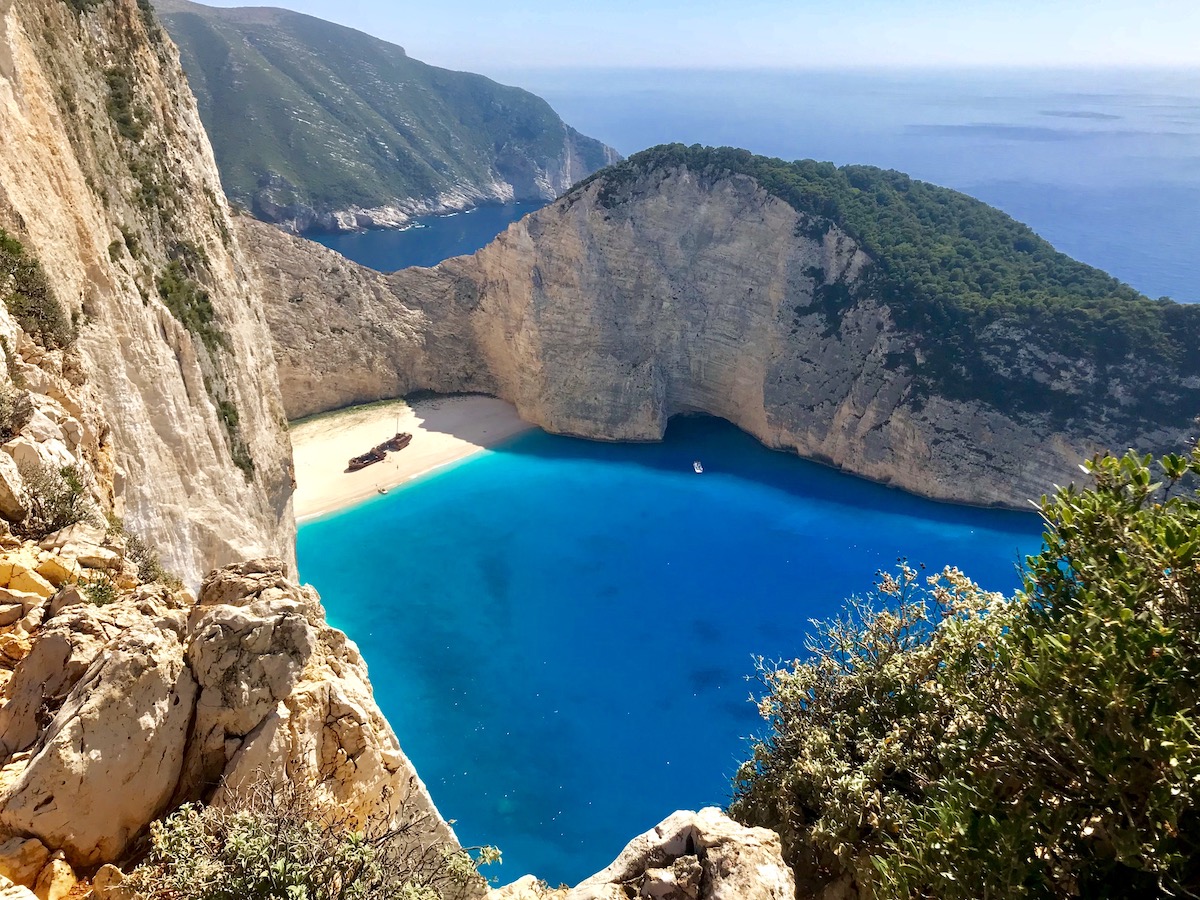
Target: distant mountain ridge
point(317, 126)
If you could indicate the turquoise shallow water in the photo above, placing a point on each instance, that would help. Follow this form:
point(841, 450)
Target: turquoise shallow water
point(560, 631)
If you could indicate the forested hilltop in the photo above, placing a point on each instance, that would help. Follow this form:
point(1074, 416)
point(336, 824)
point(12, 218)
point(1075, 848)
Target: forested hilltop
point(318, 125)
point(977, 286)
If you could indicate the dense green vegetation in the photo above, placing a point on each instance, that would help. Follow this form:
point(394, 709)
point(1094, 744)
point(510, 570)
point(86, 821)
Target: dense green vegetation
point(190, 304)
point(121, 109)
point(29, 297)
point(281, 843)
point(942, 741)
point(346, 119)
point(979, 289)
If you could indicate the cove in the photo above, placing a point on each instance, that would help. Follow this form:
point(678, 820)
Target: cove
point(561, 631)
point(429, 239)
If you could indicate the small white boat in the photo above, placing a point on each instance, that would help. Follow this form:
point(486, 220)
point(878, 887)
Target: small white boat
point(699, 468)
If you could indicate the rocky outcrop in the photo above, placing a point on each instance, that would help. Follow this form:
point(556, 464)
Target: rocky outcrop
point(118, 713)
point(107, 178)
point(701, 855)
point(698, 293)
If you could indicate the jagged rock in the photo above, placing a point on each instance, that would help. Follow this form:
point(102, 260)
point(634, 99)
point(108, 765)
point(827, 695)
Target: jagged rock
point(30, 582)
point(10, 891)
point(65, 649)
point(14, 647)
point(10, 613)
point(701, 855)
point(148, 396)
point(41, 428)
point(108, 762)
point(107, 885)
point(12, 490)
point(21, 859)
point(81, 533)
point(56, 880)
point(282, 692)
point(103, 726)
point(58, 571)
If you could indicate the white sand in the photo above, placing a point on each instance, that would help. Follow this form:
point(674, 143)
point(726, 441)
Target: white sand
point(444, 430)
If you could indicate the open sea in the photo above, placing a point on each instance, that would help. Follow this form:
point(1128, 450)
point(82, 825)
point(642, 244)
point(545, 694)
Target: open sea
point(561, 631)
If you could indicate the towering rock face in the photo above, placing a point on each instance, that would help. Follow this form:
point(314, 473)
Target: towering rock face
point(106, 176)
point(697, 292)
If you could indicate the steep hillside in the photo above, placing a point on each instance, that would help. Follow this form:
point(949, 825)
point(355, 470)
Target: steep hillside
point(108, 184)
point(891, 328)
point(319, 126)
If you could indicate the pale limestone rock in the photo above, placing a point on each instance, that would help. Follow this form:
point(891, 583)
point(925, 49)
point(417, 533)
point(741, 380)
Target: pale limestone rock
point(58, 571)
point(107, 885)
point(135, 394)
point(701, 855)
point(10, 613)
point(21, 859)
point(108, 762)
point(12, 490)
point(81, 533)
point(282, 693)
point(65, 649)
point(10, 891)
point(41, 429)
point(30, 582)
point(56, 880)
point(91, 557)
point(699, 294)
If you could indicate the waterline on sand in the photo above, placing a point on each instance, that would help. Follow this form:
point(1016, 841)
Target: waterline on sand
point(444, 429)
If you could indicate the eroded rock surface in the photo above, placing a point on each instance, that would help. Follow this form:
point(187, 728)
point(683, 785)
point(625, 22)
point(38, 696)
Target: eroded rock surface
point(107, 179)
point(119, 713)
point(701, 855)
point(696, 293)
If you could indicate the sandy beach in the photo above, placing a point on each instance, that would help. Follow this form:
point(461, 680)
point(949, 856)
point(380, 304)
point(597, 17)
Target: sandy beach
point(444, 430)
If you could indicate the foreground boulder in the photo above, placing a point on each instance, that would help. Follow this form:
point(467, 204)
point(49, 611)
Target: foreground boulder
point(701, 855)
point(118, 714)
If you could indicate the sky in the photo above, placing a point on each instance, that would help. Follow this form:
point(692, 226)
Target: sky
point(506, 34)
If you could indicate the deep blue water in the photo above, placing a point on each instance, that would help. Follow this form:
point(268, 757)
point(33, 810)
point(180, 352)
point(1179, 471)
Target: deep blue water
point(429, 239)
point(560, 631)
point(1105, 165)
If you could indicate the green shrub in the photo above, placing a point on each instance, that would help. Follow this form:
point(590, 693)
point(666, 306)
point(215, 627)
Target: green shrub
point(29, 298)
point(55, 498)
point(190, 304)
point(121, 109)
point(955, 744)
point(99, 589)
point(278, 843)
point(149, 565)
point(16, 409)
point(970, 285)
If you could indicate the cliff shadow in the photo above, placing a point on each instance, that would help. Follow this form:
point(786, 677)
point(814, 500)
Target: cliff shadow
point(724, 450)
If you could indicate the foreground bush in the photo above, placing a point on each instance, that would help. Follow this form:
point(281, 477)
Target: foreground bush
point(55, 496)
point(279, 843)
point(945, 742)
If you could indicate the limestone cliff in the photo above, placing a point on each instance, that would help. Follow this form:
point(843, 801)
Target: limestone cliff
point(107, 178)
point(651, 293)
point(112, 715)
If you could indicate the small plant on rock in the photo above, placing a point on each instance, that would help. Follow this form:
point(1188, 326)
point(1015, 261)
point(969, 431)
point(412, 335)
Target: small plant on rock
point(280, 842)
point(55, 496)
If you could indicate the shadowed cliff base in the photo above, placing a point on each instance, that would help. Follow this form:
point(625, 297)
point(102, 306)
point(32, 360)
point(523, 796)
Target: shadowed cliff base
point(811, 306)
